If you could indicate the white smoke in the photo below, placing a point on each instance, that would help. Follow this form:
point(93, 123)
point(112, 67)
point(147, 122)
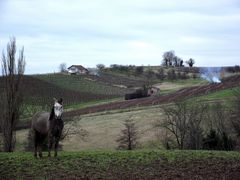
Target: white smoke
point(211, 74)
point(94, 71)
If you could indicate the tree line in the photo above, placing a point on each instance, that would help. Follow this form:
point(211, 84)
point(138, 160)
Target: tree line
point(171, 60)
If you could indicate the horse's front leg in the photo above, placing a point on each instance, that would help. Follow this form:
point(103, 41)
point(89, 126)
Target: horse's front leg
point(50, 143)
point(56, 146)
point(40, 150)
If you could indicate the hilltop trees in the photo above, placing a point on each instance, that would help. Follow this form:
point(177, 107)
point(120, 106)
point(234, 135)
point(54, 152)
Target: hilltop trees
point(190, 62)
point(171, 60)
point(12, 71)
point(100, 67)
point(168, 58)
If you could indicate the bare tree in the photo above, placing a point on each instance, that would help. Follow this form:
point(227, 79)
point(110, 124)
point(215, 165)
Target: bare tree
point(183, 121)
point(12, 75)
point(176, 123)
point(178, 62)
point(100, 67)
point(128, 137)
point(190, 62)
point(168, 58)
point(221, 120)
point(63, 67)
point(235, 118)
point(197, 112)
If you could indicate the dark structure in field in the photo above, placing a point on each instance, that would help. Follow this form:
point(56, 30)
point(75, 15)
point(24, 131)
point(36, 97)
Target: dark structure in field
point(139, 93)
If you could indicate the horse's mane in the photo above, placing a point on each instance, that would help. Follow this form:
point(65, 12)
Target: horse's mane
point(51, 114)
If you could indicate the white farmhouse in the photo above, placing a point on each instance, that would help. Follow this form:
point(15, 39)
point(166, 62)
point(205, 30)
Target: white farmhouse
point(77, 69)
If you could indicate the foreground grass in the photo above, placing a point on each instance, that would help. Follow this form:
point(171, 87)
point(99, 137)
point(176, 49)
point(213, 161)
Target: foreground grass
point(104, 164)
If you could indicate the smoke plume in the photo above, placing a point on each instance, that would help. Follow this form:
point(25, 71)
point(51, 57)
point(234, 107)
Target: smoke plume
point(211, 74)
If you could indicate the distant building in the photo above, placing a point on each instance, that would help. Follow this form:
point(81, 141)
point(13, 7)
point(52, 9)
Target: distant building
point(153, 91)
point(77, 69)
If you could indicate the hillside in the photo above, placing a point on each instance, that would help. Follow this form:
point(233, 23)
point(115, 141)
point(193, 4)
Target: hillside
point(122, 165)
point(188, 92)
point(90, 84)
point(104, 127)
point(171, 92)
point(40, 92)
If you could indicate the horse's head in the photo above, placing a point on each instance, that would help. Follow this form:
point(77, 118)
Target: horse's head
point(58, 108)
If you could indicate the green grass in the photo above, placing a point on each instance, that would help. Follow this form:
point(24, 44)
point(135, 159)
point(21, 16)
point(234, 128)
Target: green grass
point(90, 103)
point(29, 110)
point(190, 81)
point(22, 165)
point(227, 96)
point(222, 94)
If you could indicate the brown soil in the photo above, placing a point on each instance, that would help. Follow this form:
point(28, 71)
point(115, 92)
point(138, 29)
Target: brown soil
point(211, 168)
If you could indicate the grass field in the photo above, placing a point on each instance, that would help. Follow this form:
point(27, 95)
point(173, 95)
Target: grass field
point(104, 128)
point(172, 86)
point(227, 94)
point(145, 164)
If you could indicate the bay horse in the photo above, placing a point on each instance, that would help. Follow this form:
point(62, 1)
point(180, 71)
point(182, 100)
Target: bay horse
point(50, 126)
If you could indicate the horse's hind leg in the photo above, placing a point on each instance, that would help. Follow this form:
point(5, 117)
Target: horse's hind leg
point(41, 141)
point(35, 143)
point(50, 143)
point(38, 140)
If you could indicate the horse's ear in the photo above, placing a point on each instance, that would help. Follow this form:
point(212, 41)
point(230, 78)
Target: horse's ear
point(60, 101)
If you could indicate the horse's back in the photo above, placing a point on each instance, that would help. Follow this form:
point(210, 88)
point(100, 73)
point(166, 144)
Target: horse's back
point(40, 122)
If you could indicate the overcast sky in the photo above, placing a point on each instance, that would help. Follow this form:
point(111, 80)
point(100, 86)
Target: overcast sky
point(89, 32)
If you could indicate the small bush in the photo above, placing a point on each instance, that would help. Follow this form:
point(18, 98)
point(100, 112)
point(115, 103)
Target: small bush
point(215, 141)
